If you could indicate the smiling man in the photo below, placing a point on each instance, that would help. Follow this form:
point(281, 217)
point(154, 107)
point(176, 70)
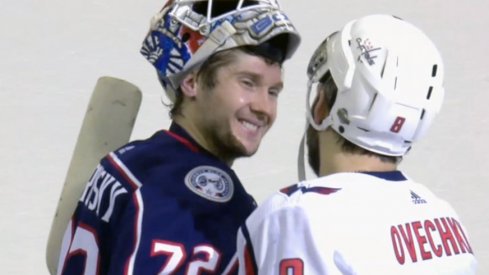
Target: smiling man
point(171, 204)
point(242, 100)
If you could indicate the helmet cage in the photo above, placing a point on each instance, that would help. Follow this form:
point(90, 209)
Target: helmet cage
point(181, 39)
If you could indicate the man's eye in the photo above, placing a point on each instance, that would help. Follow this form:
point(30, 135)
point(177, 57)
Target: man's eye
point(274, 92)
point(248, 83)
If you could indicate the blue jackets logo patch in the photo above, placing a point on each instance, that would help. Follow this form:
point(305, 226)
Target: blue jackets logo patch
point(211, 183)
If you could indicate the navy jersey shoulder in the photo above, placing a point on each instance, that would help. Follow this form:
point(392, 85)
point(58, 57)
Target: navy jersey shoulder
point(171, 164)
point(178, 208)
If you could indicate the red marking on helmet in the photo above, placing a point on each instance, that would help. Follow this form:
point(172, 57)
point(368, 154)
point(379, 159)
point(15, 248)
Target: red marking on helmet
point(195, 40)
point(397, 125)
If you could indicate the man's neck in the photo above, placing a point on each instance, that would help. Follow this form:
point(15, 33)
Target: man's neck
point(197, 135)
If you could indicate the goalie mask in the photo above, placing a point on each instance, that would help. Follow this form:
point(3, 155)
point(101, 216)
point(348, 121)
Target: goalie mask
point(187, 32)
point(389, 77)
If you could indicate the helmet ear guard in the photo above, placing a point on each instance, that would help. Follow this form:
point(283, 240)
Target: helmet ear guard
point(389, 77)
point(187, 32)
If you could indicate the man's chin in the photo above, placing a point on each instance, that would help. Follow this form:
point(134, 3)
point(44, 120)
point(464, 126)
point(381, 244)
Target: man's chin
point(244, 149)
point(250, 149)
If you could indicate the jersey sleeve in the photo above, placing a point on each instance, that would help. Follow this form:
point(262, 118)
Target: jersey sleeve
point(277, 239)
point(87, 242)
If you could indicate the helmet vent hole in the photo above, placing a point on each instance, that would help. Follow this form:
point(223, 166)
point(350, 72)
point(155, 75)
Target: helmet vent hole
point(383, 69)
point(185, 37)
point(429, 92)
point(433, 71)
point(395, 83)
point(341, 129)
point(373, 101)
point(363, 129)
point(422, 114)
point(349, 43)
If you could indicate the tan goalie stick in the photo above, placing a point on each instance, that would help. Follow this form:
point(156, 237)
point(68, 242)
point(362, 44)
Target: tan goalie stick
point(107, 125)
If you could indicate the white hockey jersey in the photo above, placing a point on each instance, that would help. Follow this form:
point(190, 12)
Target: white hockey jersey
point(355, 223)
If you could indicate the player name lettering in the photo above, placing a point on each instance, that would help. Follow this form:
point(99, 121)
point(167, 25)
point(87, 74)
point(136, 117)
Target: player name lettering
point(101, 185)
point(424, 240)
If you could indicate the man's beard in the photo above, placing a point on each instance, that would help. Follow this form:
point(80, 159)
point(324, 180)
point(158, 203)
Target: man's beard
point(228, 147)
point(312, 141)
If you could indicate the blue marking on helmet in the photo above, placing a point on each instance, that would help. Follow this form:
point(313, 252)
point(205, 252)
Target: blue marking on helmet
point(261, 25)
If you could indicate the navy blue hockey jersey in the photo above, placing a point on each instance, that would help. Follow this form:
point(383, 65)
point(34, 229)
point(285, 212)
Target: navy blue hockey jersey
point(158, 206)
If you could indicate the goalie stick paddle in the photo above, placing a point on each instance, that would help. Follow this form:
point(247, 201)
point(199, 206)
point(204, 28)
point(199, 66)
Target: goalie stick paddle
point(107, 125)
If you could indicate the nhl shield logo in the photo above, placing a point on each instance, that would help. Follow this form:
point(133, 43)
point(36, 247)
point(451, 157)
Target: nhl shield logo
point(211, 183)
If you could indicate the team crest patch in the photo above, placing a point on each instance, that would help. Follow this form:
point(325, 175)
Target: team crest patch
point(211, 183)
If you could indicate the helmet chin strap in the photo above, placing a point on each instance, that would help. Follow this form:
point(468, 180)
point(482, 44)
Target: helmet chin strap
point(323, 126)
point(301, 163)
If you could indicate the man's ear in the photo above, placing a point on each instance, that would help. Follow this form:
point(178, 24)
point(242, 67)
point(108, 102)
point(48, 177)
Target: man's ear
point(320, 107)
point(189, 85)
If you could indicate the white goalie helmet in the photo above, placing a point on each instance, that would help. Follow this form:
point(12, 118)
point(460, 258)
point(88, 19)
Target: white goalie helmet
point(186, 32)
point(389, 76)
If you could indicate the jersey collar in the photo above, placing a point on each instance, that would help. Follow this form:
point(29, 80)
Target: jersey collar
point(177, 132)
point(389, 175)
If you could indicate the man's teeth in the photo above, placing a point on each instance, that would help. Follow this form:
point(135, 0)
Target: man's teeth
point(249, 126)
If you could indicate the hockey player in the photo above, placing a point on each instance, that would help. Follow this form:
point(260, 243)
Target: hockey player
point(378, 86)
point(171, 204)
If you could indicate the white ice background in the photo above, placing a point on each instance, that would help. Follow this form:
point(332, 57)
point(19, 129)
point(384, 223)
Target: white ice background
point(53, 51)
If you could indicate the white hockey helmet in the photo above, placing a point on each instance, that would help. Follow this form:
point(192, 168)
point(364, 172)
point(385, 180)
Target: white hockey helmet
point(389, 76)
point(186, 32)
